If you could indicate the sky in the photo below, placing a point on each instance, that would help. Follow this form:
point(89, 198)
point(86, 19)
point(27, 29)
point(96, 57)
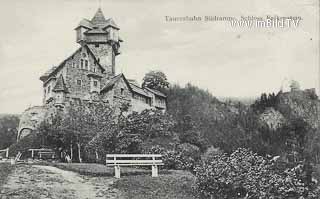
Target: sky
point(227, 61)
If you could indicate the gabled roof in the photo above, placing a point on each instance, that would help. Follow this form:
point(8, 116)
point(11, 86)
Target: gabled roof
point(139, 90)
point(155, 92)
point(56, 68)
point(60, 85)
point(113, 81)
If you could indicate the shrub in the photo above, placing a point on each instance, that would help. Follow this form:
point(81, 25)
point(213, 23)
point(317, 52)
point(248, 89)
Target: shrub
point(32, 140)
point(184, 157)
point(210, 153)
point(245, 174)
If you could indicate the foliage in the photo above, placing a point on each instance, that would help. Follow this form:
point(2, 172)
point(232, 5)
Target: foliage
point(30, 141)
point(77, 126)
point(245, 174)
point(264, 102)
point(8, 130)
point(137, 128)
point(156, 80)
point(185, 156)
point(294, 85)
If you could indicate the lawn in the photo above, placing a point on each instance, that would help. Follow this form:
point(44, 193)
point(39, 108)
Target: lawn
point(137, 183)
point(5, 170)
point(176, 185)
point(93, 169)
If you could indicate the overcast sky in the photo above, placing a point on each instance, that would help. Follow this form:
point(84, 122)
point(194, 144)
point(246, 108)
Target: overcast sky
point(37, 34)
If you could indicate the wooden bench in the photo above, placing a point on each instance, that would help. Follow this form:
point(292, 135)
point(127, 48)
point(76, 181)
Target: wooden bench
point(117, 160)
point(52, 154)
point(41, 152)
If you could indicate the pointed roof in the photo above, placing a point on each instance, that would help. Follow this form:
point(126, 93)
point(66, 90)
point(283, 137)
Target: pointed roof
point(60, 85)
point(52, 71)
point(85, 23)
point(98, 18)
point(114, 80)
point(111, 23)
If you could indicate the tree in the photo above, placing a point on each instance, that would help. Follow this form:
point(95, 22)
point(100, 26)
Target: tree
point(77, 125)
point(155, 80)
point(8, 130)
point(294, 85)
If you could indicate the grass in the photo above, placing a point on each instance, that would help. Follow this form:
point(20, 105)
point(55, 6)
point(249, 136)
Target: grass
point(137, 183)
point(93, 169)
point(178, 184)
point(5, 170)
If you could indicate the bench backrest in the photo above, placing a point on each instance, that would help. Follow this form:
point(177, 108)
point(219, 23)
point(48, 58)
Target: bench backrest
point(143, 159)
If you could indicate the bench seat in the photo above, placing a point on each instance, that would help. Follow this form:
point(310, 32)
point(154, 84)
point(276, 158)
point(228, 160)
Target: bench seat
point(134, 160)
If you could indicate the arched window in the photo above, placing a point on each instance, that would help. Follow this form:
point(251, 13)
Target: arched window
point(86, 64)
point(81, 63)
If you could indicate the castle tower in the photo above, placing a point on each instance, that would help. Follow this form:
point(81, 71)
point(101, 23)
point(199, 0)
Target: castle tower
point(101, 35)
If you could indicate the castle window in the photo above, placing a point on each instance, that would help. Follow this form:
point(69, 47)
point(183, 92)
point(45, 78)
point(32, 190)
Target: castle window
point(81, 63)
point(122, 91)
point(86, 64)
point(95, 83)
point(49, 89)
point(96, 45)
point(73, 64)
point(79, 82)
point(94, 69)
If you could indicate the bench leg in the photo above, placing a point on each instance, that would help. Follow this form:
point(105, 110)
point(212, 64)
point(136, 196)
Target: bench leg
point(154, 171)
point(117, 171)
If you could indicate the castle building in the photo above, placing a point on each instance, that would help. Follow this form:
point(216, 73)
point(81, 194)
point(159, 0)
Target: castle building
point(89, 73)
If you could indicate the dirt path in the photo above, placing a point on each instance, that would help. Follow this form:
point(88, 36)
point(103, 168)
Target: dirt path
point(46, 182)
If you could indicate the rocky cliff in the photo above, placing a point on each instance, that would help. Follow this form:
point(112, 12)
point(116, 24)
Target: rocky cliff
point(297, 104)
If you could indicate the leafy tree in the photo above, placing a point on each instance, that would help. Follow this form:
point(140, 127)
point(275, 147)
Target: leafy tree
point(156, 80)
point(8, 130)
point(294, 85)
point(137, 128)
point(78, 125)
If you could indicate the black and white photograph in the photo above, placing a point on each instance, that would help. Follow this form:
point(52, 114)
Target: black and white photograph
point(160, 99)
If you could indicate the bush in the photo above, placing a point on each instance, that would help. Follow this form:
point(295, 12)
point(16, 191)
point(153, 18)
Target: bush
point(210, 153)
point(32, 140)
point(245, 174)
point(184, 157)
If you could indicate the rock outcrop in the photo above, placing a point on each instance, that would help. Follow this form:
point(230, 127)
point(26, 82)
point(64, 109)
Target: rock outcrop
point(30, 120)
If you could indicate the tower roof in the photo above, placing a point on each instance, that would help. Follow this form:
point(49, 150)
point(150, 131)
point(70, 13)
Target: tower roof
point(98, 18)
point(60, 85)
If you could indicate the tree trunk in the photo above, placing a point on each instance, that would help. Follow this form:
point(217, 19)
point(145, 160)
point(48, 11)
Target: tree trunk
point(71, 152)
point(79, 153)
point(97, 155)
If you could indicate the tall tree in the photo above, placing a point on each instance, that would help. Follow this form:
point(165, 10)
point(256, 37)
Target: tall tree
point(156, 80)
